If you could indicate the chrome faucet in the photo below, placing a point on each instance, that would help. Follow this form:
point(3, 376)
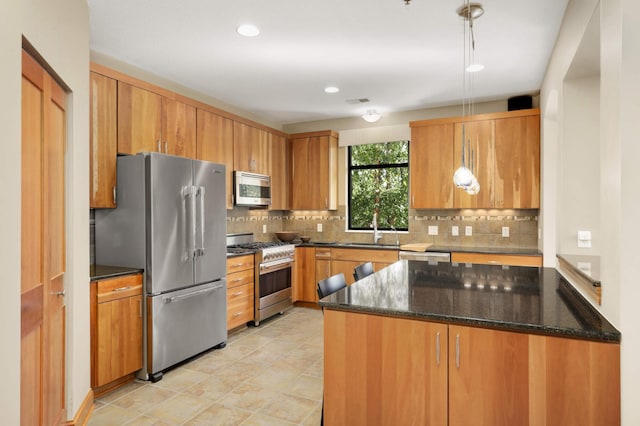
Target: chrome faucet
point(396, 232)
point(377, 235)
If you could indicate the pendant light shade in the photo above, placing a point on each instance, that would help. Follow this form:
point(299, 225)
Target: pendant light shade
point(371, 116)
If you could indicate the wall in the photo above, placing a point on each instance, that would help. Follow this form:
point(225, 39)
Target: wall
point(60, 32)
point(619, 205)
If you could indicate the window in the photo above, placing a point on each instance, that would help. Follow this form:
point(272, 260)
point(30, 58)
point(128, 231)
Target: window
point(378, 181)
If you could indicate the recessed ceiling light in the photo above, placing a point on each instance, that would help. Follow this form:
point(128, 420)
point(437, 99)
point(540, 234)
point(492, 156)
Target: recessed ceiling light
point(331, 89)
point(248, 30)
point(475, 67)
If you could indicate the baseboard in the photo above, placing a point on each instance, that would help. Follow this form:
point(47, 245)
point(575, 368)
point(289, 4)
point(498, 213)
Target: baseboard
point(84, 412)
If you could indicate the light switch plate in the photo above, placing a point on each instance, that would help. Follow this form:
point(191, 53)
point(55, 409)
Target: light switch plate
point(454, 231)
point(584, 239)
point(505, 231)
point(319, 227)
point(433, 230)
point(468, 231)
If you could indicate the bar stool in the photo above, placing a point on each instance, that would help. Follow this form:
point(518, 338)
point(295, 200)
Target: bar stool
point(331, 285)
point(361, 271)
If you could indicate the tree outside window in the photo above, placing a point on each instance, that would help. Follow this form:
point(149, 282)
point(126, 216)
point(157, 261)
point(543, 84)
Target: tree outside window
point(379, 182)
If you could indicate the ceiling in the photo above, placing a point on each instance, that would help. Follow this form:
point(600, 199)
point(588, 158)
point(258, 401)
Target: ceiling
point(399, 57)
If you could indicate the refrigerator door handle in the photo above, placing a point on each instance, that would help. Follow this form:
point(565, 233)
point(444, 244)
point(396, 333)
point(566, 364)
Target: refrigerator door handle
point(189, 194)
point(199, 249)
point(193, 294)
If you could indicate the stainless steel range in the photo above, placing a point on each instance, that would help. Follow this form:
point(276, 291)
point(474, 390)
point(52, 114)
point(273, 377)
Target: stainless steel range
point(273, 273)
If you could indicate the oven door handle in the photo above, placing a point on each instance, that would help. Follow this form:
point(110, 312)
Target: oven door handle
point(275, 266)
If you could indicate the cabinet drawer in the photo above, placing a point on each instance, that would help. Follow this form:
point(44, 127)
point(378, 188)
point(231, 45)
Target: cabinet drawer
point(365, 255)
point(239, 292)
point(240, 263)
point(323, 253)
point(239, 312)
point(496, 259)
point(240, 278)
point(117, 288)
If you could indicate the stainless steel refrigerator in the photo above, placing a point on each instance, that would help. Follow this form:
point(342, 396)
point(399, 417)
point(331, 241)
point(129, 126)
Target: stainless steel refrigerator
point(171, 220)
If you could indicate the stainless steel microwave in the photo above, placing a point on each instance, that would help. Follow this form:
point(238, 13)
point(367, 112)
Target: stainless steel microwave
point(251, 189)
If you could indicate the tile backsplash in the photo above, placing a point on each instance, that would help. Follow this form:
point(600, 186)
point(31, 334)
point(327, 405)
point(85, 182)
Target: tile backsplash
point(486, 226)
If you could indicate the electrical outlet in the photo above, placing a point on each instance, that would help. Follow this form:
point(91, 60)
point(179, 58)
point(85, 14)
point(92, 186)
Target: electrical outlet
point(454, 231)
point(584, 239)
point(319, 227)
point(264, 229)
point(433, 230)
point(505, 231)
point(468, 231)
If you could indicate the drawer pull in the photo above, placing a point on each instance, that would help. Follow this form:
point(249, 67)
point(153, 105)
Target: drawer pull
point(121, 288)
point(237, 314)
point(238, 293)
point(236, 280)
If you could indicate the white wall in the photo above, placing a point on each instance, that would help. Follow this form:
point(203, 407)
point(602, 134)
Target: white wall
point(60, 33)
point(619, 201)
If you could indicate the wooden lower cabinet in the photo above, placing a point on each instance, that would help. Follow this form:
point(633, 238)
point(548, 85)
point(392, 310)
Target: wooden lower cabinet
point(304, 275)
point(240, 275)
point(496, 259)
point(386, 371)
point(116, 338)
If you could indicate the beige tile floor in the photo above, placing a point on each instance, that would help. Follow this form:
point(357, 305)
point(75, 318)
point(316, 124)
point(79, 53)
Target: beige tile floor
point(267, 375)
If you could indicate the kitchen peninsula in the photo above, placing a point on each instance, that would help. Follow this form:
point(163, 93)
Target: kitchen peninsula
point(468, 344)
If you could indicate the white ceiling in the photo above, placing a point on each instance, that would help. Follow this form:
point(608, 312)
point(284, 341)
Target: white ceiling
point(400, 57)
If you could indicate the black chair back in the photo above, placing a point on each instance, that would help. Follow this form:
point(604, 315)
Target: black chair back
point(331, 285)
point(363, 270)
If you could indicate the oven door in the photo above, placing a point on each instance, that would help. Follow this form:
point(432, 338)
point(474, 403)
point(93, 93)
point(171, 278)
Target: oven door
point(273, 290)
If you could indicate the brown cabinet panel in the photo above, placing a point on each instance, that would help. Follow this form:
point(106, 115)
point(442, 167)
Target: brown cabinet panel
point(103, 135)
point(139, 120)
point(496, 259)
point(488, 376)
point(280, 160)
point(178, 128)
point(251, 149)
point(314, 169)
point(240, 290)
point(304, 276)
point(431, 167)
point(116, 340)
point(517, 174)
point(215, 143)
point(479, 144)
point(240, 263)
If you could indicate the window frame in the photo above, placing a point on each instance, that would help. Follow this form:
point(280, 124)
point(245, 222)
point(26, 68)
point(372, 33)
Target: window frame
point(350, 167)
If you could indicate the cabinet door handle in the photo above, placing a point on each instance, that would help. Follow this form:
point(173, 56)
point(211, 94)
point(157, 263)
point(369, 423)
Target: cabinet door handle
point(438, 348)
point(166, 147)
point(140, 308)
point(159, 147)
point(114, 195)
point(458, 351)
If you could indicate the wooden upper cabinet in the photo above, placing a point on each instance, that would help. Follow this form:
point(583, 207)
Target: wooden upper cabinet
point(314, 170)
point(251, 149)
point(280, 160)
point(178, 128)
point(215, 144)
point(479, 147)
point(431, 167)
point(506, 161)
point(139, 120)
point(103, 124)
point(517, 167)
point(148, 122)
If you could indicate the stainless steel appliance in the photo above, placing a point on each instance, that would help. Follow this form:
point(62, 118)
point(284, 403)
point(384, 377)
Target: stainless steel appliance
point(432, 257)
point(251, 189)
point(273, 273)
point(171, 221)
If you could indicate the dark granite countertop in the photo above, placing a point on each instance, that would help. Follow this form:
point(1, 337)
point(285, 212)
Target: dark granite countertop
point(488, 250)
point(525, 299)
point(101, 272)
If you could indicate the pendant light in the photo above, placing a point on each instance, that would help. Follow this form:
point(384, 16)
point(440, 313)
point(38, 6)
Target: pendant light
point(464, 177)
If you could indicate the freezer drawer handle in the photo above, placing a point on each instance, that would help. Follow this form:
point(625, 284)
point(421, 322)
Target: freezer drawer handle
point(190, 295)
